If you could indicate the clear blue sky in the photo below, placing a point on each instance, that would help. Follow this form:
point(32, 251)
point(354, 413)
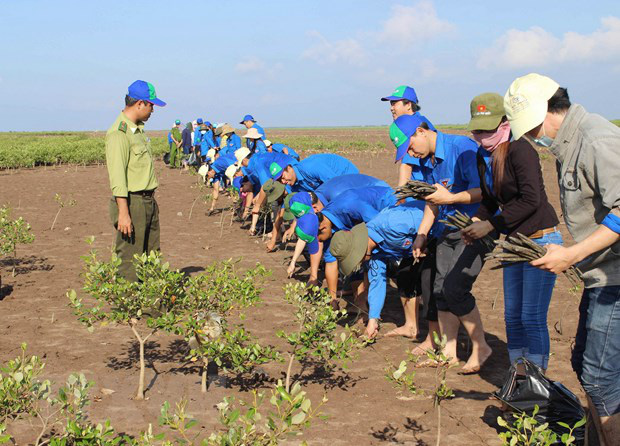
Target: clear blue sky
point(66, 65)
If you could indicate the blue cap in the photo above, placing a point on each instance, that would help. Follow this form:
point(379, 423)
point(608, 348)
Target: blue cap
point(144, 91)
point(402, 92)
point(300, 204)
point(247, 118)
point(307, 229)
point(177, 122)
point(199, 121)
point(403, 129)
point(276, 168)
point(207, 123)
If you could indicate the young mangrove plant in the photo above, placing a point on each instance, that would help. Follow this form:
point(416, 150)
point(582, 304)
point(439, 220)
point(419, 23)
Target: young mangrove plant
point(317, 330)
point(145, 306)
point(12, 233)
point(61, 204)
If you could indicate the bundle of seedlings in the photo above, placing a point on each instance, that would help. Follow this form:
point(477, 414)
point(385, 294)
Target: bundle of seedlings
point(415, 189)
point(519, 248)
point(460, 221)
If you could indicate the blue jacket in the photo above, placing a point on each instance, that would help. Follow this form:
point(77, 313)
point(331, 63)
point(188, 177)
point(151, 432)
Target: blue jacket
point(223, 162)
point(197, 136)
point(279, 147)
point(206, 142)
point(393, 230)
point(337, 185)
point(455, 168)
point(315, 170)
point(259, 146)
point(233, 142)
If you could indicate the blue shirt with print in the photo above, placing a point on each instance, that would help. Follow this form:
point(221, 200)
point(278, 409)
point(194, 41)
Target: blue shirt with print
point(393, 230)
point(257, 169)
point(455, 168)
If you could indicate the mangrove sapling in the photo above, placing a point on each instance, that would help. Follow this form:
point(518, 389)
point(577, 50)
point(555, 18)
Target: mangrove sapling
point(210, 300)
point(415, 189)
point(442, 391)
point(243, 423)
point(458, 220)
point(316, 334)
point(60, 416)
point(146, 305)
point(12, 233)
point(61, 204)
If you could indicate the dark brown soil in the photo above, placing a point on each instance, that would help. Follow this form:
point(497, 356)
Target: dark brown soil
point(363, 408)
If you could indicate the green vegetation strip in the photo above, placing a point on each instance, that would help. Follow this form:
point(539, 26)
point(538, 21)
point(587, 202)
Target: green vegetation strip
point(57, 148)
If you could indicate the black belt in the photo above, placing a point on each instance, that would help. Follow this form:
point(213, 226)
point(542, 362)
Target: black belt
point(144, 193)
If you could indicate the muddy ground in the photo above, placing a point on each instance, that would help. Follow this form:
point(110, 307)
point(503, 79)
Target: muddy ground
point(363, 408)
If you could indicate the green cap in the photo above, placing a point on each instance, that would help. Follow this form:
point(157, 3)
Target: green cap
point(349, 248)
point(288, 215)
point(273, 190)
point(487, 111)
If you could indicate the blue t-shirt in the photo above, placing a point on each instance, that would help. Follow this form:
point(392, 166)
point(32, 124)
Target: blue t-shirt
point(257, 169)
point(223, 162)
point(251, 143)
point(339, 184)
point(233, 142)
point(455, 168)
point(279, 147)
point(169, 137)
point(259, 146)
point(315, 170)
point(393, 230)
point(197, 136)
point(358, 205)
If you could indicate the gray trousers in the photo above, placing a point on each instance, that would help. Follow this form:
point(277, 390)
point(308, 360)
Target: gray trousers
point(458, 266)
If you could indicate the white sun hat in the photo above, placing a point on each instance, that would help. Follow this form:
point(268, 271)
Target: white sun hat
point(525, 102)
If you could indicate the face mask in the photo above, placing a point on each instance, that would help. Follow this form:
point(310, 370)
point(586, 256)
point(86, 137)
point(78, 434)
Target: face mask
point(490, 140)
point(544, 140)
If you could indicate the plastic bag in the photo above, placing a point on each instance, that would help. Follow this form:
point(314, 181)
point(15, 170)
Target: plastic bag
point(167, 158)
point(555, 401)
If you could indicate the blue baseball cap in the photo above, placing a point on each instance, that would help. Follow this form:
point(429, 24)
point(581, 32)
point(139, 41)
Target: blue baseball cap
point(300, 204)
point(402, 92)
point(207, 123)
point(199, 121)
point(247, 118)
point(307, 229)
point(276, 168)
point(144, 91)
point(403, 129)
point(177, 122)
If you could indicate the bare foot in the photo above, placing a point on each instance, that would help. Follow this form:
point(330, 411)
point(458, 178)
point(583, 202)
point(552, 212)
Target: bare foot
point(432, 363)
point(420, 349)
point(476, 360)
point(406, 331)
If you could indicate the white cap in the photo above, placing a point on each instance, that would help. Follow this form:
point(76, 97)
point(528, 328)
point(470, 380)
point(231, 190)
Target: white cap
point(267, 142)
point(241, 154)
point(231, 171)
point(253, 134)
point(525, 102)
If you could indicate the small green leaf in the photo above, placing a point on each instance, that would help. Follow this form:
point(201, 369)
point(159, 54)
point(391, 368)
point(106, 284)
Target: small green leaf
point(298, 418)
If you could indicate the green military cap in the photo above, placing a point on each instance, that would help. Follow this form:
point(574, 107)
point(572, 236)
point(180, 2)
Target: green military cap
point(273, 190)
point(288, 215)
point(487, 111)
point(349, 248)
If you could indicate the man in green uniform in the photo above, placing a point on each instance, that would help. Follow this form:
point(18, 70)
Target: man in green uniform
point(133, 208)
point(176, 144)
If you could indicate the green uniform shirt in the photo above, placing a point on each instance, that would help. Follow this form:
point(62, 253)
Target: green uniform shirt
point(129, 158)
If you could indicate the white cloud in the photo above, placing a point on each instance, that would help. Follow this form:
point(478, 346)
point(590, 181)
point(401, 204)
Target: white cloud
point(410, 24)
point(537, 47)
point(347, 51)
point(259, 69)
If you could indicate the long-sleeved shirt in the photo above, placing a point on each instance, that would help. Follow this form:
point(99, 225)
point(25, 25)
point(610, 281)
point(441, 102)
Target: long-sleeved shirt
point(232, 143)
point(186, 140)
point(315, 170)
point(206, 142)
point(339, 184)
point(587, 148)
point(257, 169)
point(129, 158)
point(358, 205)
point(393, 230)
point(455, 168)
point(251, 143)
point(279, 147)
point(521, 196)
point(223, 162)
point(197, 137)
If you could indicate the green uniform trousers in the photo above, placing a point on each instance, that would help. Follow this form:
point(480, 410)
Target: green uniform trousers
point(174, 158)
point(144, 214)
